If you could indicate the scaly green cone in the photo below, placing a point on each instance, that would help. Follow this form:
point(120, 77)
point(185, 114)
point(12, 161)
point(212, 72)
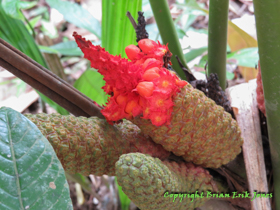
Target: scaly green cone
point(148, 181)
point(200, 131)
point(91, 145)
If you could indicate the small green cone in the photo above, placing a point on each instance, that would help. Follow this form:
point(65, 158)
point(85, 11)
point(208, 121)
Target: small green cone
point(149, 182)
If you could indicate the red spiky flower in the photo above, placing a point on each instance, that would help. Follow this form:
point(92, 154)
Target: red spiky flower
point(141, 86)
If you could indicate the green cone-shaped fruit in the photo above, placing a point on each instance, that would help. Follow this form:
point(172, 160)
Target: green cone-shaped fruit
point(200, 131)
point(149, 182)
point(91, 145)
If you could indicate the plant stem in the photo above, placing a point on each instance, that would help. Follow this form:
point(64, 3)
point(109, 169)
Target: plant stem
point(168, 33)
point(217, 39)
point(268, 30)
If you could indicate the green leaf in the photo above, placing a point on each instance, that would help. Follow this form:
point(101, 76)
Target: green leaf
point(247, 57)
point(190, 20)
point(117, 31)
point(49, 29)
point(193, 5)
point(229, 75)
point(203, 61)
point(63, 48)
point(90, 84)
point(11, 7)
point(180, 32)
point(67, 48)
point(45, 49)
point(26, 4)
point(125, 201)
point(32, 23)
point(80, 179)
point(77, 15)
point(14, 32)
point(42, 10)
point(194, 53)
point(31, 176)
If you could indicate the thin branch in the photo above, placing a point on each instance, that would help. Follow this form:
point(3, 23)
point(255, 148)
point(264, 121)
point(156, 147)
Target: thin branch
point(46, 82)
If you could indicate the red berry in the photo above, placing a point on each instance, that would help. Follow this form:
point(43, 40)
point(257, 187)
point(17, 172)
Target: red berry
point(130, 105)
point(150, 63)
point(151, 74)
point(132, 52)
point(138, 62)
point(147, 45)
point(121, 99)
point(145, 89)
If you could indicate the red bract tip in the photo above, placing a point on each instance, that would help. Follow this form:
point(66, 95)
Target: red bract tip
point(82, 43)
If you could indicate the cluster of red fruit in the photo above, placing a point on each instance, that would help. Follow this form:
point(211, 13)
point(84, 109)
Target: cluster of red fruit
point(142, 86)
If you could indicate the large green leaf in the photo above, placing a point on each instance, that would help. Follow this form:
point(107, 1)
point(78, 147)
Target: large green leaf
point(247, 57)
point(117, 31)
point(194, 53)
point(11, 7)
point(31, 176)
point(64, 48)
point(193, 5)
point(77, 15)
point(14, 32)
point(90, 84)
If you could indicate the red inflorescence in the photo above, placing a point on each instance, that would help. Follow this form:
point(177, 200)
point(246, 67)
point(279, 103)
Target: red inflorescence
point(141, 86)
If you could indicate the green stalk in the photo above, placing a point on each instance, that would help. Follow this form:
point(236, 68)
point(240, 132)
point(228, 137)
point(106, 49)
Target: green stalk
point(117, 31)
point(217, 39)
point(168, 33)
point(268, 30)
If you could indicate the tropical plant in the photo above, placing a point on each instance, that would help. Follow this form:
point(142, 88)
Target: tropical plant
point(139, 158)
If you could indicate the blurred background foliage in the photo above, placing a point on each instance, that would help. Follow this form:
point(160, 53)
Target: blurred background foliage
point(24, 23)
point(42, 29)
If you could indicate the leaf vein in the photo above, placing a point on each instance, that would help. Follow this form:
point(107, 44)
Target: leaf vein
point(23, 135)
point(15, 164)
point(28, 150)
point(40, 174)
